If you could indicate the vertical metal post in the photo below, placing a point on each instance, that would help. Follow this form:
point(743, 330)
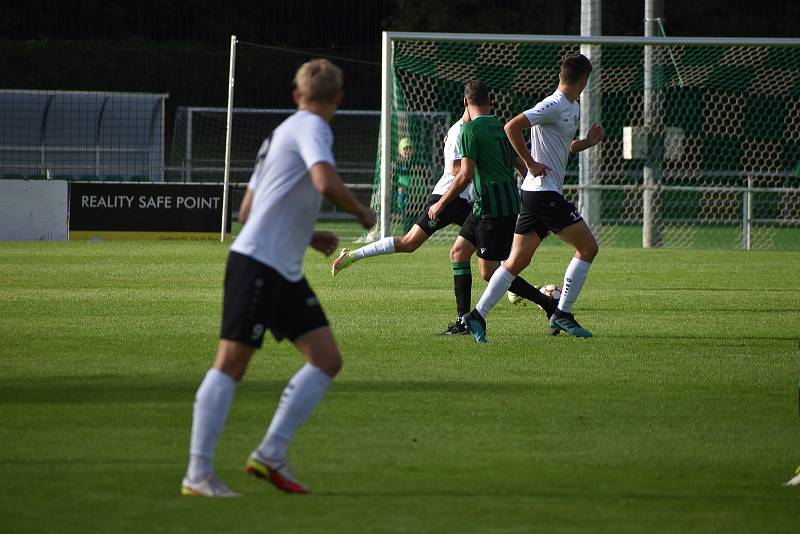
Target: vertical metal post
point(163, 133)
point(590, 201)
point(386, 136)
point(187, 158)
point(651, 174)
point(747, 215)
point(228, 125)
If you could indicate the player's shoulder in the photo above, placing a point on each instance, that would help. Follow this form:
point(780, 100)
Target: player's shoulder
point(310, 120)
point(304, 125)
point(557, 100)
point(468, 127)
point(455, 129)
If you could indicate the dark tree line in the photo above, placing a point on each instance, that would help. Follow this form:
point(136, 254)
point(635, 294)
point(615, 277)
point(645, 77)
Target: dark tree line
point(344, 23)
point(180, 47)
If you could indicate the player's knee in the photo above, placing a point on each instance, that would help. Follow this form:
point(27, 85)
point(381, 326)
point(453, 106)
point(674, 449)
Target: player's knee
point(331, 364)
point(405, 244)
point(589, 252)
point(232, 359)
point(516, 264)
point(487, 272)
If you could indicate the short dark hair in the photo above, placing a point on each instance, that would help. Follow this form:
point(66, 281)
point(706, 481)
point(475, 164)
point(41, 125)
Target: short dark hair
point(575, 68)
point(476, 93)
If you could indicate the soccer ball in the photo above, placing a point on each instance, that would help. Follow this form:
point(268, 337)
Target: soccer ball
point(551, 290)
point(513, 298)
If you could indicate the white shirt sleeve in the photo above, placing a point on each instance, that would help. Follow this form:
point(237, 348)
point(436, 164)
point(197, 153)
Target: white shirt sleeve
point(542, 113)
point(316, 144)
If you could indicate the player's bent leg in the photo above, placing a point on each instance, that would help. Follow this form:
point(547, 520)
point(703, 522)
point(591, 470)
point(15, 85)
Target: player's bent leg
point(522, 249)
point(319, 348)
point(579, 236)
point(347, 257)
point(211, 407)
point(299, 399)
point(410, 242)
point(487, 268)
point(460, 255)
point(462, 250)
point(233, 357)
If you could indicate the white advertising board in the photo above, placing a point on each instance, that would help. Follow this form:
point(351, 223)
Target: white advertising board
point(34, 210)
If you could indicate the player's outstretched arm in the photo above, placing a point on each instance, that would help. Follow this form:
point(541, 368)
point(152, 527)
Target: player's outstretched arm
point(326, 180)
point(593, 137)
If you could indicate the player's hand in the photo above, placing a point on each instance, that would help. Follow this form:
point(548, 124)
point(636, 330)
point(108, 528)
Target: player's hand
point(537, 169)
point(435, 210)
point(325, 242)
point(367, 218)
point(595, 134)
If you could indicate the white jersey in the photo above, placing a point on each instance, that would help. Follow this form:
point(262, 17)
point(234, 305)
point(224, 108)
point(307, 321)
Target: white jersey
point(555, 121)
point(452, 153)
point(285, 203)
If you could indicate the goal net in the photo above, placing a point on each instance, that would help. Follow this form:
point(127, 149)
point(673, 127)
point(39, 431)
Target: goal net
point(702, 145)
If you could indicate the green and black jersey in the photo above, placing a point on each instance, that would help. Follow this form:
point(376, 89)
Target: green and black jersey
point(484, 141)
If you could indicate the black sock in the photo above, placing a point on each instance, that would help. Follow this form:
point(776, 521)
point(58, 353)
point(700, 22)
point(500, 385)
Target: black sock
point(527, 291)
point(462, 283)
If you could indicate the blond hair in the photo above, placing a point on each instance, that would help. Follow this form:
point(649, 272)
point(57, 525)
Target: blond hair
point(319, 80)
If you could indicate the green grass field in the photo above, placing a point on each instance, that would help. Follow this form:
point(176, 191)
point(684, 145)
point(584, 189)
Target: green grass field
point(681, 415)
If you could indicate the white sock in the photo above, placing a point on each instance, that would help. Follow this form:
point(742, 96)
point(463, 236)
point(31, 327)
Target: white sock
point(301, 395)
point(381, 246)
point(211, 405)
point(498, 285)
point(574, 277)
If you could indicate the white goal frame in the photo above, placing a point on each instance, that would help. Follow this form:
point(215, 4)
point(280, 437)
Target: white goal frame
point(586, 187)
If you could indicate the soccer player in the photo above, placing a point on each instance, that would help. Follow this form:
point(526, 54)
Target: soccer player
point(265, 288)
point(455, 213)
point(554, 122)
point(488, 160)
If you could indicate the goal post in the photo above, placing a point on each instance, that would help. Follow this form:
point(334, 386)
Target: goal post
point(726, 137)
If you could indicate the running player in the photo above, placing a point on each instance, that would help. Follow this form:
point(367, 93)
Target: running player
point(265, 288)
point(456, 213)
point(554, 122)
point(487, 159)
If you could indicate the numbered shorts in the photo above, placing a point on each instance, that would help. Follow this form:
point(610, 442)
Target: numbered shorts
point(492, 237)
point(257, 298)
point(456, 212)
point(545, 211)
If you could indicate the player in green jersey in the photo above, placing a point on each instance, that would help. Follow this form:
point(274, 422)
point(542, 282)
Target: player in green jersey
point(488, 160)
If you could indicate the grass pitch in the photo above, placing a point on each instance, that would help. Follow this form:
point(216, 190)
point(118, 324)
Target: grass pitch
point(679, 416)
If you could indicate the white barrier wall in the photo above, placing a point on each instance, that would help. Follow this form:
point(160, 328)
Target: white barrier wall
point(34, 210)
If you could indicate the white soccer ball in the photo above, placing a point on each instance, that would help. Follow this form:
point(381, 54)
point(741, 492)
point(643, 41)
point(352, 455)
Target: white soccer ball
point(513, 298)
point(551, 290)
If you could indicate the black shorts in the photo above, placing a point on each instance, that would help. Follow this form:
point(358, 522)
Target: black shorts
point(492, 237)
point(257, 298)
point(456, 212)
point(545, 211)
